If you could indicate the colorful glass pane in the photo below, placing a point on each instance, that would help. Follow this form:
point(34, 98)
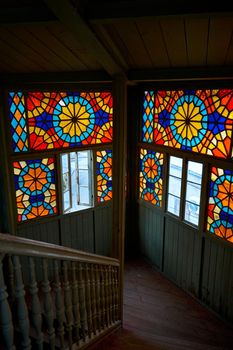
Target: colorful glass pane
point(18, 122)
point(151, 182)
point(148, 117)
point(194, 120)
point(35, 188)
point(104, 175)
point(220, 209)
point(69, 119)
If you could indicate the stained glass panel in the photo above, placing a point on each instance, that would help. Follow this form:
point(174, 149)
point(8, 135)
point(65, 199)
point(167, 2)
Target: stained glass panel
point(69, 119)
point(148, 117)
point(104, 175)
point(220, 209)
point(18, 121)
point(194, 120)
point(151, 167)
point(35, 188)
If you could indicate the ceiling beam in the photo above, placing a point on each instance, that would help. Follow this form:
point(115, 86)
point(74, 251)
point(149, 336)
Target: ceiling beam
point(104, 11)
point(224, 73)
point(69, 16)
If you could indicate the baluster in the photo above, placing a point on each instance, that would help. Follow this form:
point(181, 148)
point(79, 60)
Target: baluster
point(82, 303)
point(106, 291)
point(114, 294)
point(75, 300)
point(35, 305)
point(93, 297)
point(10, 277)
point(102, 297)
point(110, 293)
point(48, 310)
point(59, 304)
point(88, 300)
point(98, 312)
point(6, 325)
point(68, 304)
point(22, 312)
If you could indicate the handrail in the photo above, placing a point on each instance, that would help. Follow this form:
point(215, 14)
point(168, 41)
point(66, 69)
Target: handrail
point(26, 247)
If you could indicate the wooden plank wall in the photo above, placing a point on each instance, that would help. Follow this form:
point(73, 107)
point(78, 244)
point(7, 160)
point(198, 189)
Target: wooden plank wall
point(89, 230)
point(201, 265)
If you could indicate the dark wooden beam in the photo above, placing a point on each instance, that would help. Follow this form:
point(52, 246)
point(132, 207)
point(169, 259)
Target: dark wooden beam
point(21, 80)
point(69, 16)
point(26, 14)
point(224, 73)
point(107, 11)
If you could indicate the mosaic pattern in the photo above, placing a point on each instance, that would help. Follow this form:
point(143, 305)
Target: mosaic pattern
point(220, 209)
point(18, 122)
point(151, 167)
point(194, 120)
point(35, 188)
point(104, 175)
point(60, 120)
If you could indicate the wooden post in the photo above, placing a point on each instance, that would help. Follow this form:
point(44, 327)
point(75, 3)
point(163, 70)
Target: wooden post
point(119, 175)
point(68, 304)
point(59, 303)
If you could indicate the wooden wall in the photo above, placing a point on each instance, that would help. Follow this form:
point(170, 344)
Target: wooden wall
point(88, 230)
point(200, 264)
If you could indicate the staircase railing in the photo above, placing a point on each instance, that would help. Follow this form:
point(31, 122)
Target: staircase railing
point(52, 297)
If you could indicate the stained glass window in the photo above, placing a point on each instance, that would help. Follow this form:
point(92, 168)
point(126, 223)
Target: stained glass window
point(104, 175)
point(60, 120)
point(220, 210)
point(35, 188)
point(151, 166)
point(18, 122)
point(194, 120)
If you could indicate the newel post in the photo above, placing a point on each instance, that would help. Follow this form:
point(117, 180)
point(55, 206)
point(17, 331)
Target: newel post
point(119, 176)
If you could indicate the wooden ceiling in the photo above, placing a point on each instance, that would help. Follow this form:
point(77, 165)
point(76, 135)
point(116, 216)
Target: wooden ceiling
point(114, 37)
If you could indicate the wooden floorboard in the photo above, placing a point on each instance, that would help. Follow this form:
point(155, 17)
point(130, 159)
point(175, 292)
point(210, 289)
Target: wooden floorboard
point(159, 315)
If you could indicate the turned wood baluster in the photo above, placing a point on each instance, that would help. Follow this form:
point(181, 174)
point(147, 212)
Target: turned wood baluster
point(68, 304)
point(10, 278)
point(93, 297)
point(6, 325)
point(102, 297)
point(75, 302)
point(48, 310)
point(110, 293)
point(22, 311)
point(82, 302)
point(106, 291)
point(35, 305)
point(114, 293)
point(97, 292)
point(59, 303)
point(88, 299)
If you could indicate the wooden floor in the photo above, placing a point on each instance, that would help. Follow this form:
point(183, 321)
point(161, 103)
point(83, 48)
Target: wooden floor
point(159, 315)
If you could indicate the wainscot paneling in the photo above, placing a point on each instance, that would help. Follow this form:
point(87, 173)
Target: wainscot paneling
point(103, 230)
point(182, 255)
point(47, 231)
point(151, 233)
point(217, 277)
point(77, 230)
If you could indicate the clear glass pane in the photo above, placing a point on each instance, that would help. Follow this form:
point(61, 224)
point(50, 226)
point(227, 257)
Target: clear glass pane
point(84, 195)
point(173, 205)
point(65, 182)
point(73, 162)
point(66, 200)
point(193, 193)
point(192, 213)
point(175, 167)
point(64, 163)
point(83, 160)
point(83, 178)
point(195, 172)
point(174, 186)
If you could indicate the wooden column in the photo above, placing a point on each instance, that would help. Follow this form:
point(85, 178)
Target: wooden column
point(119, 175)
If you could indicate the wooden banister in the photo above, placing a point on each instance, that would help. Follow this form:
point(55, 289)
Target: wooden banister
point(14, 245)
point(58, 296)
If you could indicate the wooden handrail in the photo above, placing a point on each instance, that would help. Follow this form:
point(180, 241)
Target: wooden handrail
point(14, 245)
